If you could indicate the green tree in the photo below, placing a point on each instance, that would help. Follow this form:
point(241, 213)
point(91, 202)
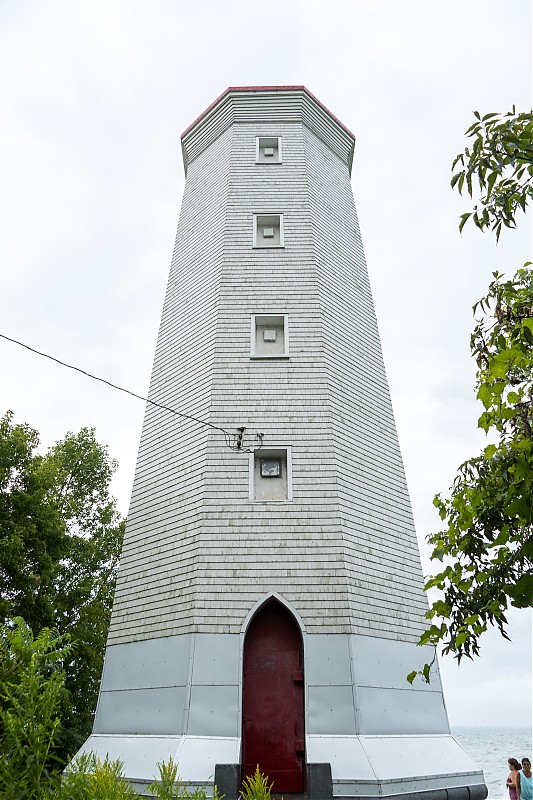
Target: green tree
point(60, 539)
point(486, 547)
point(499, 164)
point(32, 681)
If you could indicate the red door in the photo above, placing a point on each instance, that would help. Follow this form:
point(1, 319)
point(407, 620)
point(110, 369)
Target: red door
point(273, 699)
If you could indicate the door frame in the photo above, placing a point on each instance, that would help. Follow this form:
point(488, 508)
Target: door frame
point(246, 624)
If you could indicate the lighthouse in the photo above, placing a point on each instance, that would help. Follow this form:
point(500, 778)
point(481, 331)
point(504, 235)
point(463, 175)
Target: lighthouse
point(270, 592)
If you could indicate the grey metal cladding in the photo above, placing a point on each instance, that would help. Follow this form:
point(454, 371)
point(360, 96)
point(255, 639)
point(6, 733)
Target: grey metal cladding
point(147, 664)
point(327, 660)
point(141, 711)
point(216, 659)
point(346, 754)
point(401, 711)
point(387, 662)
point(331, 710)
point(214, 711)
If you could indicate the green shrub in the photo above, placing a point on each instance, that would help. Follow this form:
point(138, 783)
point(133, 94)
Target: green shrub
point(89, 778)
point(32, 681)
point(169, 785)
point(75, 784)
point(255, 787)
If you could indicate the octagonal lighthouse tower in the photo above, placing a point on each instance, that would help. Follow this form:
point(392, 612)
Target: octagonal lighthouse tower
point(270, 593)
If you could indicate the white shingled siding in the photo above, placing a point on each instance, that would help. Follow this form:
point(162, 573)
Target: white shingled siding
point(260, 107)
point(381, 551)
point(158, 568)
point(294, 548)
point(198, 553)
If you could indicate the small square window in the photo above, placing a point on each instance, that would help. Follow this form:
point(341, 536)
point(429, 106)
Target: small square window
point(268, 230)
point(268, 150)
point(271, 474)
point(270, 336)
point(270, 467)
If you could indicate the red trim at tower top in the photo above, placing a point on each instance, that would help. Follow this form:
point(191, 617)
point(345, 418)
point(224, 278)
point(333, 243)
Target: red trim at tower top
point(267, 89)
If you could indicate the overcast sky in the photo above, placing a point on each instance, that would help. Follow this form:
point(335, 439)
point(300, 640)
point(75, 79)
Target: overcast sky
point(93, 99)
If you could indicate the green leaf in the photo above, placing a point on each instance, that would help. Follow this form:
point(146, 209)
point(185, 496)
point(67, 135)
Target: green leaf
point(456, 160)
point(490, 183)
point(455, 179)
point(464, 218)
point(527, 327)
point(519, 507)
point(485, 394)
point(522, 592)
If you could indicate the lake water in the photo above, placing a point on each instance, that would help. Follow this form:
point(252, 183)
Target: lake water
point(490, 748)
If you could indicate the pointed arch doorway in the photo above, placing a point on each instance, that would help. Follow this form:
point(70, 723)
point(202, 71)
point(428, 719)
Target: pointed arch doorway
point(273, 698)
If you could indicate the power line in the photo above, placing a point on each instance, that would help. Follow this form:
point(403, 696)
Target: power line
point(233, 440)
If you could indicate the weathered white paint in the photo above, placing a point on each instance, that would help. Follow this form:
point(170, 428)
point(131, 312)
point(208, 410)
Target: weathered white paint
point(193, 555)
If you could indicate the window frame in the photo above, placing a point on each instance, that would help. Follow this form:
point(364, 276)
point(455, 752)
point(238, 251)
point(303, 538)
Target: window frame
point(253, 335)
point(256, 222)
point(273, 451)
point(258, 140)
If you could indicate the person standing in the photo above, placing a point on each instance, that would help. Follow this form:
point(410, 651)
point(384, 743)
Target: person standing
point(514, 766)
point(524, 781)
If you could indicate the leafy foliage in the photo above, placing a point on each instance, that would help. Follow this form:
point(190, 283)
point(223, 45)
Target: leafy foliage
point(169, 785)
point(500, 163)
point(60, 539)
point(89, 778)
point(489, 538)
point(33, 682)
point(256, 786)
point(487, 547)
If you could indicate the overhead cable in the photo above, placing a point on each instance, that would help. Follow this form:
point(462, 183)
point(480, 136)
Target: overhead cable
point(233, 440)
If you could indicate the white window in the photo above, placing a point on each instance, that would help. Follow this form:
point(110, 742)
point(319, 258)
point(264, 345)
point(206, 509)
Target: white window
point(268, 230)
point(271, 474)
point(268, 150)
point(269, 336)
